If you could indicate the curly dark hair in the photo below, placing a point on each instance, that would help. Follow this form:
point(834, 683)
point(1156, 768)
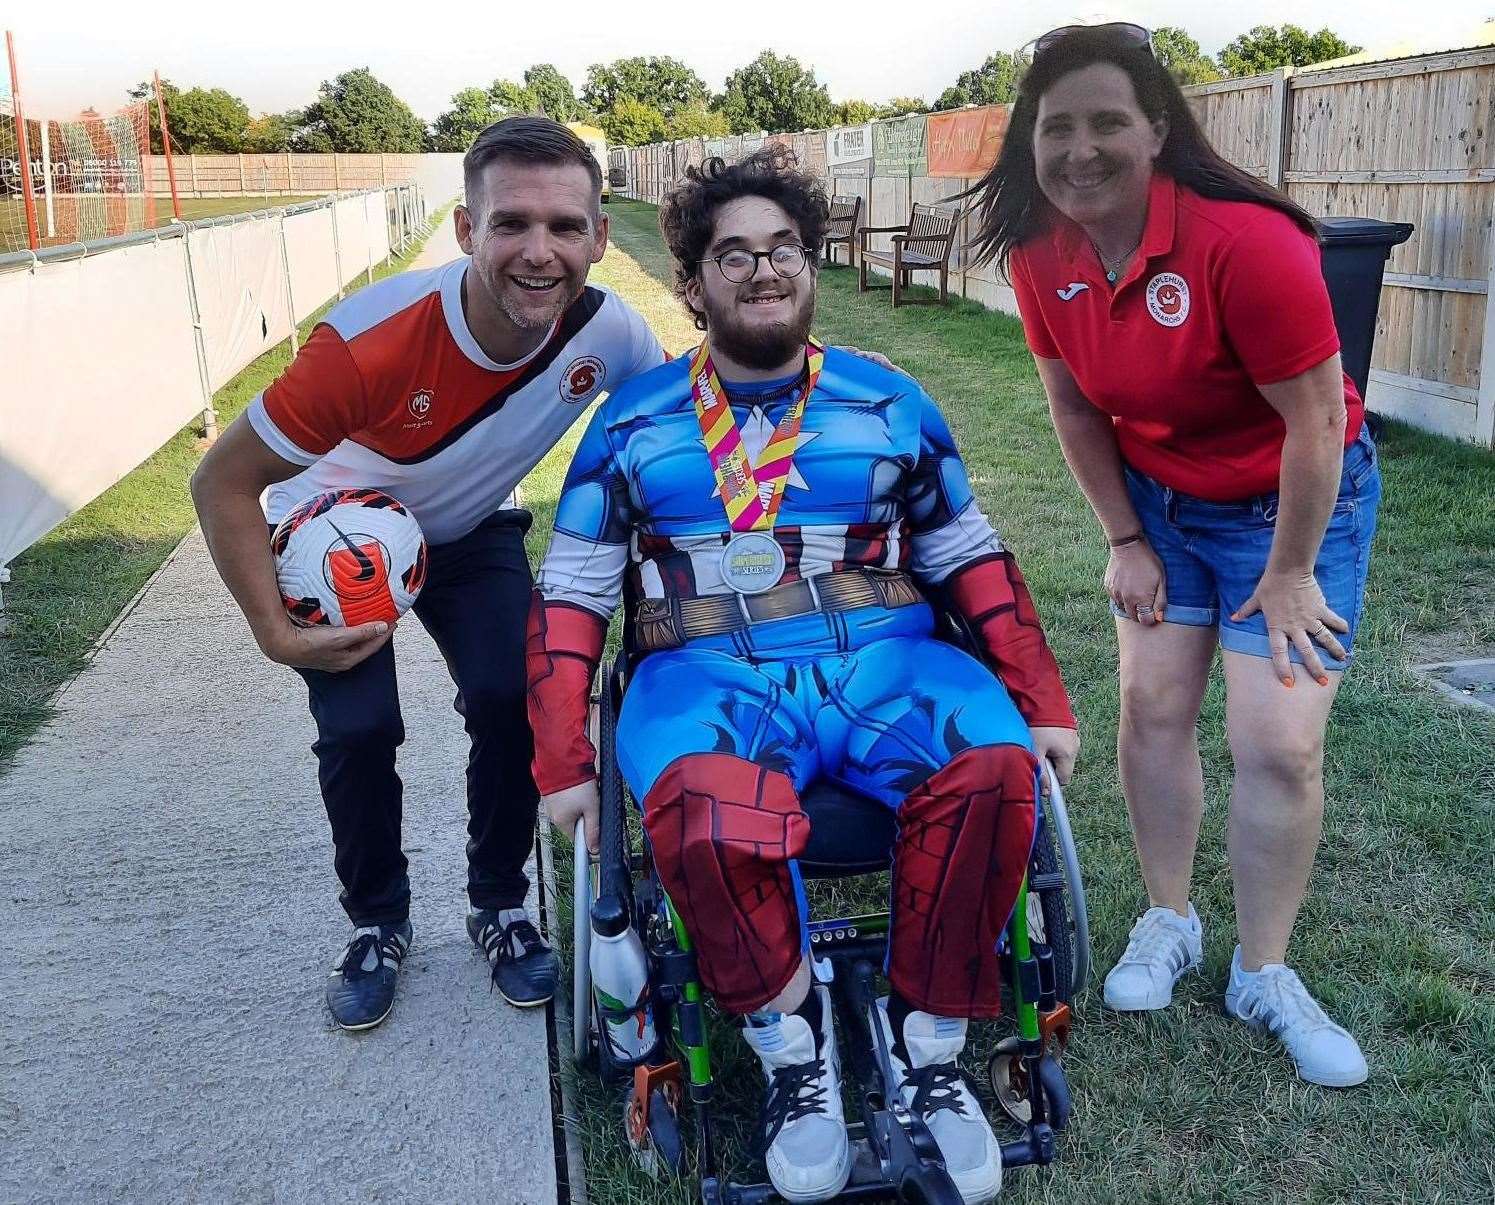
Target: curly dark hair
point(687, 219)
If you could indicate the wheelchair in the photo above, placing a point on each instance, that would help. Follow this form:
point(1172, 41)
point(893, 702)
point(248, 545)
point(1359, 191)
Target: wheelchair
point(1046, 963)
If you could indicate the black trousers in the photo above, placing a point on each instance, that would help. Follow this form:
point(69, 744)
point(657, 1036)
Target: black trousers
point(474, 604)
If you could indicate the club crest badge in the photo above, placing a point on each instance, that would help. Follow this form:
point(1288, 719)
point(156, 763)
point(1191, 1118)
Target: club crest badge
point(582, 378)
point(1168, 299)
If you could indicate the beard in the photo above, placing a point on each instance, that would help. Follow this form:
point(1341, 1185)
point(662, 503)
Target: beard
point(523, 313)
point(760, 345)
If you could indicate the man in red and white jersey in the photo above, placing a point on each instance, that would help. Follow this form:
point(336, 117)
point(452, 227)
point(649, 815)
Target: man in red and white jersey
point(442, 388)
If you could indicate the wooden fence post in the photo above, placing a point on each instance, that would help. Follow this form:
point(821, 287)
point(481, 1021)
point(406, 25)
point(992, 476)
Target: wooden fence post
point(192, 167)
point(243, 183)
point(1484, 413)
point(290, 177)
point(1279, 111)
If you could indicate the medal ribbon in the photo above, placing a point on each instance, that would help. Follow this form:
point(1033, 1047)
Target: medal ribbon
point(750, 493)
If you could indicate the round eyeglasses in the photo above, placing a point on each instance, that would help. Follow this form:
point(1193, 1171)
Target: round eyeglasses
point(740, 265)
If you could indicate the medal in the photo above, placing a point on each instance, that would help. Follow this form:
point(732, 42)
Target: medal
point(752, 560)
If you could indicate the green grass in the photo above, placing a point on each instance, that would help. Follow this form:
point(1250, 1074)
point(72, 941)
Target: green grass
point(13, 215)
point(68, 587)
point(1397, 935)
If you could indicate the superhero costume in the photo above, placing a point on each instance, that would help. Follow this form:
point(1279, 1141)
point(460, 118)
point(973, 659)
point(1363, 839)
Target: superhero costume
point(833, 672)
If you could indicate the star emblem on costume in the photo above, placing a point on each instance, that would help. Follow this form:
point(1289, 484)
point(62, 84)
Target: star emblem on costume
point(756, 431)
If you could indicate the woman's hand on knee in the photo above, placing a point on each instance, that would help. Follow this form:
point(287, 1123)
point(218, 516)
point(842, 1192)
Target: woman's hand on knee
point(1136, 583)
point(1061, 746)
point(1296, 615)
point(567, 806)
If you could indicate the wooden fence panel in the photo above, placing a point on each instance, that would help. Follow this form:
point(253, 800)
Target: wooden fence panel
point(1237, 120)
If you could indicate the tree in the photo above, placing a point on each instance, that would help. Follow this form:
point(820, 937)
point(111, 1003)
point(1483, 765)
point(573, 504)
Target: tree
point(695, 120)
point(267, 134)
point(855, 112)
point(633, 123)
point(901, 106)
point(993, 83)
point(202, 120)
point(1263, 48)
point(776, 94)
point(355, 113)
point(553, 93)
point(657, 80)
point(512, 98)
point(473, 110)
point(1180, 53)
point(146, 90)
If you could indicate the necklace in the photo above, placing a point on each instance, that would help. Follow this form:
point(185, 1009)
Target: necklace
point(1113, 268)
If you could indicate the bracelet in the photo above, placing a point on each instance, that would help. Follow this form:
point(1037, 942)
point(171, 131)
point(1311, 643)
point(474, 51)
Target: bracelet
point(1135, 538)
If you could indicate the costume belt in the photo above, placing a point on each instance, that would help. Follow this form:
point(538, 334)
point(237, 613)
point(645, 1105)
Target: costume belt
point(667, 623)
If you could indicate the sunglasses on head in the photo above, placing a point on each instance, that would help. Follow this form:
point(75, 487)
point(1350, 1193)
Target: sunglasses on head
point(1124, 31)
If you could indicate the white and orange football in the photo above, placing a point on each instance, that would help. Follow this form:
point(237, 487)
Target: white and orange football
point(348, 557)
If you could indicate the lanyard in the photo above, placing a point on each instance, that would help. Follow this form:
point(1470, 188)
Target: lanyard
point(750, 493)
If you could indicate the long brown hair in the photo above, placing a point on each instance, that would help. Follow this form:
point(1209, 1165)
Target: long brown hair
point(1010, 207)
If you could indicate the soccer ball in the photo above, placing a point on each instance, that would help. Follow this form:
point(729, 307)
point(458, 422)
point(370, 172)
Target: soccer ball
point(348, 557)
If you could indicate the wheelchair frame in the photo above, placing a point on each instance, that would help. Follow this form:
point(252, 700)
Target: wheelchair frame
point(895, 1158)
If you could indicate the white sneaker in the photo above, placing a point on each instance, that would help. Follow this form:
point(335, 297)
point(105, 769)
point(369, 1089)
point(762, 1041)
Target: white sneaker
point(1163, 945)
point(1274, 999)
point(808, 1156)
point(934, 1089)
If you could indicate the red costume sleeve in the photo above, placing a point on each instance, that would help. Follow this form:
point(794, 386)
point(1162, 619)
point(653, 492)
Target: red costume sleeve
point(993, 598)
point(562, 649)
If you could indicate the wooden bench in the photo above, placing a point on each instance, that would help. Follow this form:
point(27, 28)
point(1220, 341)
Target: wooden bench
point(923, 245)
point(842, 227)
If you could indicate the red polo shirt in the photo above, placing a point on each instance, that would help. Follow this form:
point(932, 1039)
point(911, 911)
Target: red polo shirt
point(1222, 296)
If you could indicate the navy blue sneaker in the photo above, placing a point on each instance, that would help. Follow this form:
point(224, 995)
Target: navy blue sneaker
point(525, 969)
point(361, 989)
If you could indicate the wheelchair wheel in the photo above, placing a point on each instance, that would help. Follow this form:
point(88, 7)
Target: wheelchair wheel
point(1057, 815)
point(1048, 915)
point(581, 947)
point(1009, 1084)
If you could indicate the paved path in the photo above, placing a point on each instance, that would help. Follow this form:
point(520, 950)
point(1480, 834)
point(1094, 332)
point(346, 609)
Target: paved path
point(170, 918)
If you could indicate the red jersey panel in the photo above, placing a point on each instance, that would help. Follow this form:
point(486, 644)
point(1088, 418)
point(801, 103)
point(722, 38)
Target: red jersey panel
point(1223, 296)
point(393, 392)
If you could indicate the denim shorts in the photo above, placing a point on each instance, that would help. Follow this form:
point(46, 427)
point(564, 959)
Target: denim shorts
point(1214, 553)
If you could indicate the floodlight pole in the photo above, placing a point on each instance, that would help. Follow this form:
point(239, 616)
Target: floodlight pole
point(33, 240)
point(176, 204)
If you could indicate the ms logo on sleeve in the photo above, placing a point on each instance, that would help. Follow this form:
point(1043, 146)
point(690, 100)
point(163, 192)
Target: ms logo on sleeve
point(1168, 299)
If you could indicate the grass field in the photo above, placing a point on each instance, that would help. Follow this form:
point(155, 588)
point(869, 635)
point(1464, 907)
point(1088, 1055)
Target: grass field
point(1397, 936)
point(71, 584)
point(13, 215)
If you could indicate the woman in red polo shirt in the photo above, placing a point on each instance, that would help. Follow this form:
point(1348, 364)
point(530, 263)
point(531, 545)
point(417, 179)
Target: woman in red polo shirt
point(1178, 316)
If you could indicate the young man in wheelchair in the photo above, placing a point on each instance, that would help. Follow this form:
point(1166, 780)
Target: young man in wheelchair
point(781, 511)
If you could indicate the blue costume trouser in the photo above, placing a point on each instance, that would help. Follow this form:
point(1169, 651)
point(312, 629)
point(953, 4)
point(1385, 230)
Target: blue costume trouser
point(718, 749)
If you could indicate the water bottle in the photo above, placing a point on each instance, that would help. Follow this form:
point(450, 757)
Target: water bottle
point(620, 982)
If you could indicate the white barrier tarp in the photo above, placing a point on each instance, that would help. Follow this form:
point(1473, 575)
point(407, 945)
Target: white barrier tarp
point(376, 220)
point(440, 178)
point(100, 372)
point(352, 238)
point(309, 249)
point(241, 294)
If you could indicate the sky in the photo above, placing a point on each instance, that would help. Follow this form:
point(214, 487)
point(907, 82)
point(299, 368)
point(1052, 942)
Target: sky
point(274, 54)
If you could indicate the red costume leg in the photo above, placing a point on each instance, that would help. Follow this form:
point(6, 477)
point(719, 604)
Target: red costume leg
point(964, 840)
point(723, 832)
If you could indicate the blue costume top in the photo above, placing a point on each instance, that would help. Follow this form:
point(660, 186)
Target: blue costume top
point(876, 483)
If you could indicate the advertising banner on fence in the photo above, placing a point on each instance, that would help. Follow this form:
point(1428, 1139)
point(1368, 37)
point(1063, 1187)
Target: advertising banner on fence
point(898, 147)
point(810, 147)
point(848, 150)
point(966, 142)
